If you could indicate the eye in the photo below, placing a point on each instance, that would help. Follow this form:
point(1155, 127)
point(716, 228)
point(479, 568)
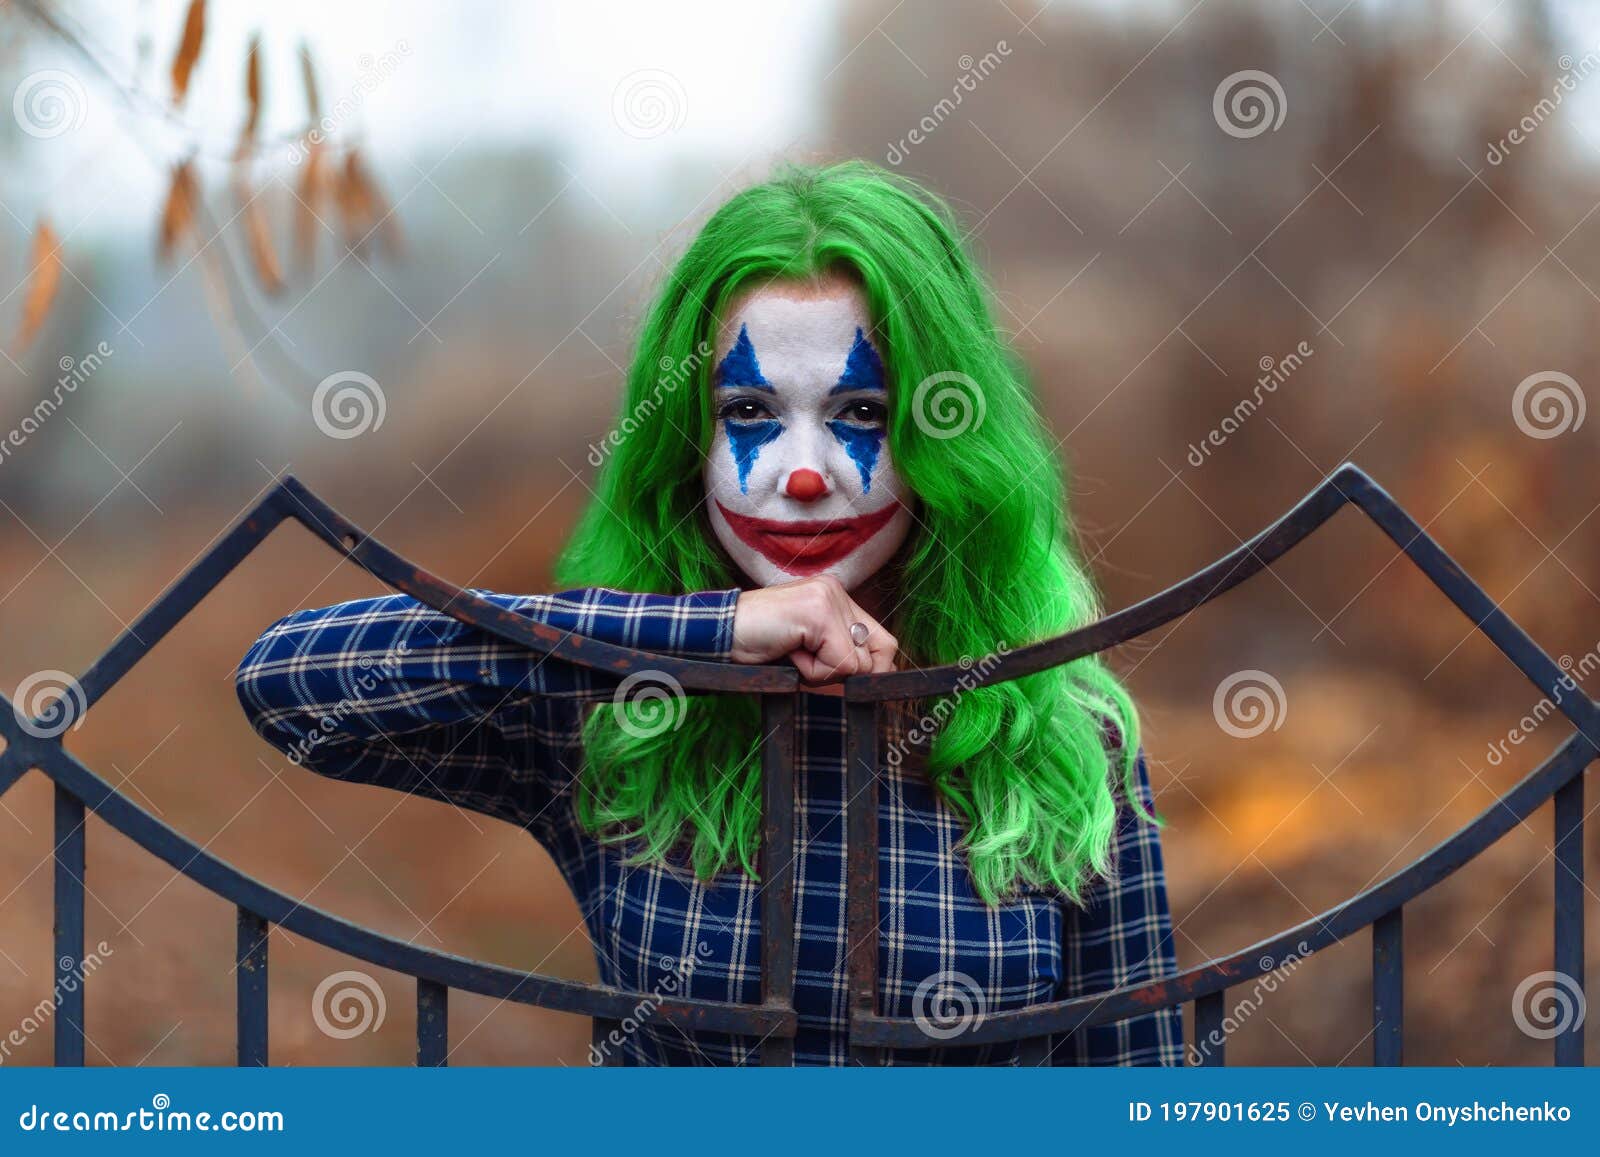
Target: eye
point(743, 410)
point(866, 413)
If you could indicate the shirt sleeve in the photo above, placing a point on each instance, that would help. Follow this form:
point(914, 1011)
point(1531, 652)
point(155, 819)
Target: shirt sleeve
point(387, 691)
point(1123, 936)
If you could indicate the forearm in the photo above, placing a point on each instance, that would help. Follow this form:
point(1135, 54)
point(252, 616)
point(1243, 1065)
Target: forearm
point(389, 691)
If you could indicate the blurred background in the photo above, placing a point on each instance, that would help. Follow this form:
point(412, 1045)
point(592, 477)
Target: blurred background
point(1237, 243)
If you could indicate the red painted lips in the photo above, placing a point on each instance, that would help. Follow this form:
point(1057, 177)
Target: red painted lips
point(807, 547)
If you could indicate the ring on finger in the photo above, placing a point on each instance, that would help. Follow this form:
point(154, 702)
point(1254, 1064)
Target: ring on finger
point(859, 634)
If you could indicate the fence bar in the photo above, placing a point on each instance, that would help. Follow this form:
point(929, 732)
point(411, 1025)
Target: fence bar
point(1034, 1052)
point(1569, 895)
point(1388, 988)
point(1209, 1038)
point(251, 981)
point(433, 1024)
point(69, 857)
point(861, 915)
point(604, 1053)
point(777, 868)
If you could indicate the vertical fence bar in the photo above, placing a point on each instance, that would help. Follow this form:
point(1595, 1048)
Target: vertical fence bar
point(250, 974)
point(1569, 893)
point(433, 1024)
point(603, 1052)
point(1209, 1038)
point(861, 914)
point(1034, 1052)
point(1388, 988)
point(777, 867)
point(70, 862)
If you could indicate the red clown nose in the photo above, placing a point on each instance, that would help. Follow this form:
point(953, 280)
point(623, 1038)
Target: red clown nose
point(806, 485)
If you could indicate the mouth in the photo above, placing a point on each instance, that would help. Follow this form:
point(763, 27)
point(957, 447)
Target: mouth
point(807, 547)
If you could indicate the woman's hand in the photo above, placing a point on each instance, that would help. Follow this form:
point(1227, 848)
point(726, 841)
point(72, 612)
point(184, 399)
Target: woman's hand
point(808, 622)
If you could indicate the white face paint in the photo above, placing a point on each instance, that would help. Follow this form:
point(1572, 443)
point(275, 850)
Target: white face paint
point(799, 478)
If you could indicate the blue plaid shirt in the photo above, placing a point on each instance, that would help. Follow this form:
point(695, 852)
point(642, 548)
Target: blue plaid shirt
point(386, 691)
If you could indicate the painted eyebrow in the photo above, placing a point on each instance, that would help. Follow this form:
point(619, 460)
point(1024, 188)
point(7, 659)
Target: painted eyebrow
point(863, 369)
point(739, 366)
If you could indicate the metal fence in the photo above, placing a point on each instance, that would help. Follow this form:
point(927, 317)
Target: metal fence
point(36, 743)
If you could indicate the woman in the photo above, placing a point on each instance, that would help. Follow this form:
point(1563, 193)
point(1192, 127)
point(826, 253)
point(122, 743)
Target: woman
point(789, 485)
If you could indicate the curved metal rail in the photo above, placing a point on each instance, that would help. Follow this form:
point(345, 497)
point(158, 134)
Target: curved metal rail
point(259, 906)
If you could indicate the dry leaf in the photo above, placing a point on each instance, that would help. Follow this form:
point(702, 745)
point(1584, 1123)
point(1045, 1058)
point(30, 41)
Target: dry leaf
point(194, 30)
point(177, 216)
point(308, 73)
point(252, 96)
point(364, 209)
point(44, 260)
point(263, 256)
point(313, 180)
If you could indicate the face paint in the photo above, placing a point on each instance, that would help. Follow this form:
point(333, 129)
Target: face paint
point(798, 479)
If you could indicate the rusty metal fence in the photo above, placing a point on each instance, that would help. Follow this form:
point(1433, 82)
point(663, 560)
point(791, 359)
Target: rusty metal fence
point(32, 744)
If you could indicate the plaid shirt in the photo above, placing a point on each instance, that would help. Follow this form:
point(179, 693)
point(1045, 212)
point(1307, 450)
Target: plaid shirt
point(386, 691)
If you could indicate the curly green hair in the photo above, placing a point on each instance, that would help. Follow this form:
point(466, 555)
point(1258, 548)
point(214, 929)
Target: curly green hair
point(1034, 765)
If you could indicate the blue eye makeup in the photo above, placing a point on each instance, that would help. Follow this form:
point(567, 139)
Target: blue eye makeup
point(745, 440)
point(740, 366)
point(863, 368)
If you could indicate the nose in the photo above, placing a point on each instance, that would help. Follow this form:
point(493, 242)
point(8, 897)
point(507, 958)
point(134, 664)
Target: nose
point(806, 486)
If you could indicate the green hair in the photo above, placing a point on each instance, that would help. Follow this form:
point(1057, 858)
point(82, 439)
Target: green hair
point(1033, 765)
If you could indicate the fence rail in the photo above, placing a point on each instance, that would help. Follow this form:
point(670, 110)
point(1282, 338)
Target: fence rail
point(30, 745)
